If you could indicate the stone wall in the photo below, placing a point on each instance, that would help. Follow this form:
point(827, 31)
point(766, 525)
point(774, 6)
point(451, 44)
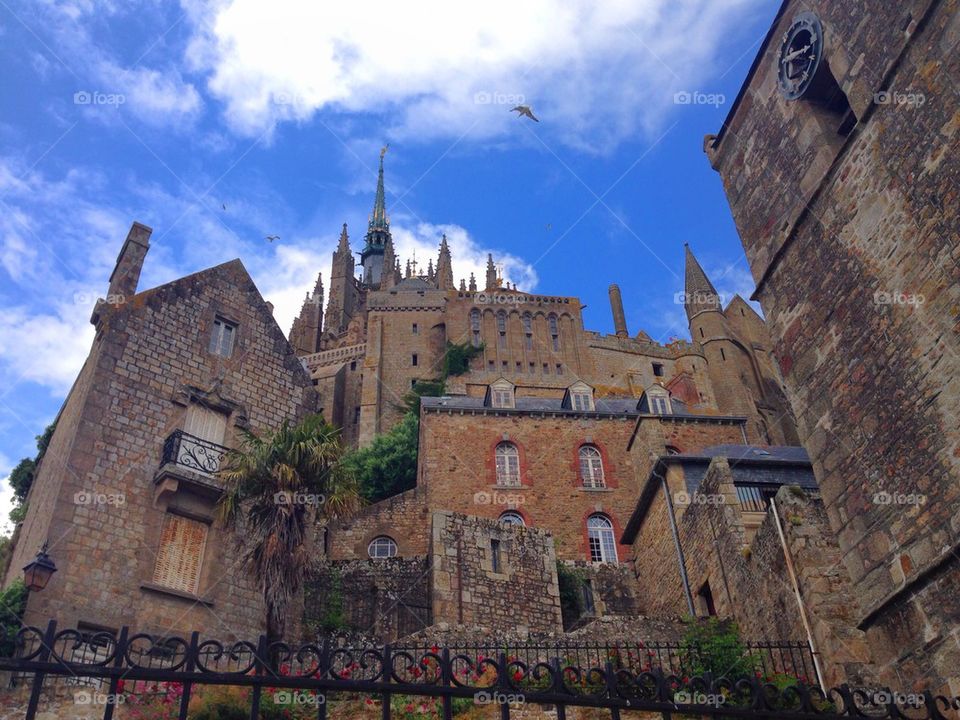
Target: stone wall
point(750, 581)
point(385, 598)
point(515, 593)
point(404, 517)
point(857, 259)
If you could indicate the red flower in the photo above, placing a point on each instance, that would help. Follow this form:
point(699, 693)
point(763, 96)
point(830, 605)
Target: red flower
point(517, 676)
point(120, 686)
point(434, 649)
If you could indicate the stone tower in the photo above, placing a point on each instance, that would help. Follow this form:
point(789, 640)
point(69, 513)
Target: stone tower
point(308, 325)
point(378, 236)
point(342, 286)
point(445, 267)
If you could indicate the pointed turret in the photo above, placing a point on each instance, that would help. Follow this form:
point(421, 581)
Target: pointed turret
point(341, 302)
point(407, 275)
point(444, 266)
point(492, 283)
point(463, 285)
point(308, 325)
point(430, 270)
point(378, 234)
point(699, 293)
point(473, 283)
point(389, 261)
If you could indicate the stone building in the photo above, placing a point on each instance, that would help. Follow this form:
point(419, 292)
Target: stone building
point(383, 330)
point(126, 490)
point(839, 159)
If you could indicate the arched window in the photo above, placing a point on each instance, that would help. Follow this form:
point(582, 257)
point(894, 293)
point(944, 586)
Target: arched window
point(382, 547)
point(475, 326)
point(508, 465)
point(510, 517)
point(603, 547)
point(554, 331)
point(502, 329)
point(671, 450)
point(528, 331)
point(591, 467)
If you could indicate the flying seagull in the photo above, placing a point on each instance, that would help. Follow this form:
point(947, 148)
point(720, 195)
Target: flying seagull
point(271, 238)
point(223, 205)
point(522, 110)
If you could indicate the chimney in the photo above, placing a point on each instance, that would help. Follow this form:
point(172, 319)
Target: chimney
point(616, 305)
point(126, 274)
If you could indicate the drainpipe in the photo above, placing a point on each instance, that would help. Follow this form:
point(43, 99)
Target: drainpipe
point(796, 592)
point(676, 541)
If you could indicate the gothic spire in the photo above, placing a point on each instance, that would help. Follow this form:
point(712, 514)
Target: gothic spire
point(491, 273)
point(699, 293)
point(344, 240)
point(378, 218)
point(473, 283)
point(444, 266)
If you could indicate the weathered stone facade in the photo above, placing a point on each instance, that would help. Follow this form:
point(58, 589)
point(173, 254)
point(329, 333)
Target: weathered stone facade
point(856, 255)
point(502, 577)
point(384, 331)
point(107, 486)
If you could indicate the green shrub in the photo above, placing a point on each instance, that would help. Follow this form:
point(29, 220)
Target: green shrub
point(13, 603)
point(715, 647)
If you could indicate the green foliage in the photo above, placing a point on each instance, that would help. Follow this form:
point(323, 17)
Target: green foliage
point(13, 602)
point(716, 648)
point(21, 477)
point(389, 464)
point(456, 359)
point(332, 617)
point(571, 583)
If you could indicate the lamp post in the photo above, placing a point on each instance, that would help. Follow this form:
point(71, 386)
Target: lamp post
point(37, 573)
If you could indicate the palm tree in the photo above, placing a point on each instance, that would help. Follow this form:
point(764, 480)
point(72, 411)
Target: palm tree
point(276, 486)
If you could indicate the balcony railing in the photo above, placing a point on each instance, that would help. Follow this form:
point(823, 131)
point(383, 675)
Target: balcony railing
point(755, 497)
point(192, 452)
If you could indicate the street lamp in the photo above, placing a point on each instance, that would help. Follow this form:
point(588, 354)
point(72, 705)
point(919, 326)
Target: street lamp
point(38, 572)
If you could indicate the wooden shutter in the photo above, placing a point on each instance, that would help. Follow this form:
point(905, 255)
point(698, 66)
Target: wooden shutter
point(180, 554)
point(206, 424)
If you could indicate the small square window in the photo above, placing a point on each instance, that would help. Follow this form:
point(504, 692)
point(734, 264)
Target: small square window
point(533, 368)
point(658, 369)
point(222, 337)
point(519, 367)
point(503, 364)
point(353, 366)
point(496, 562)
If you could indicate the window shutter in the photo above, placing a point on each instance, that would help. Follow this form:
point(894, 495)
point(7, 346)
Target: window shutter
point(180, 555)
point(206, 424)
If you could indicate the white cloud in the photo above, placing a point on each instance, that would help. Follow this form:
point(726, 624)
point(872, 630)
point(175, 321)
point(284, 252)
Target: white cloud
point(595, 72)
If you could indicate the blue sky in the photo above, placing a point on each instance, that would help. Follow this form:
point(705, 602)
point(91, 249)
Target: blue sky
point(218, 123)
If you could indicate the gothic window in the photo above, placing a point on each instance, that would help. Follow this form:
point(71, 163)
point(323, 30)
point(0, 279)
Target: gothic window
point(475, 327)
point(528, 323)
point(512, 517)
point(508, 465)
point(414, 360)
point(382, 547)
point(222, 337)
point(603, 547)
point(555, 332)
point(180, 555)
point(502, 328)
point(591, 467)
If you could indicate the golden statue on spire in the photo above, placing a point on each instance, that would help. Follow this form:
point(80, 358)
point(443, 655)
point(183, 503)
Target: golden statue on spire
point(383, 150)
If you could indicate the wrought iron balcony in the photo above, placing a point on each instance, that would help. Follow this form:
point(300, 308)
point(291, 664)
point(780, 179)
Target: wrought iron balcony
point(192, 452)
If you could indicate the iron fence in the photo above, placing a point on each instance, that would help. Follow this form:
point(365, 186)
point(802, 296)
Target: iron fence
point(447, 676)
point(190, 451)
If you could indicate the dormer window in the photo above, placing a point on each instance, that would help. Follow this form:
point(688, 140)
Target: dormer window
point(658, 401)
point(501, 395)
point(579, 396)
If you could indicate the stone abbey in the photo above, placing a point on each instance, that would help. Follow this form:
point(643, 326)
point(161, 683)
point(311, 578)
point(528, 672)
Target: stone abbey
point(752, 473)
